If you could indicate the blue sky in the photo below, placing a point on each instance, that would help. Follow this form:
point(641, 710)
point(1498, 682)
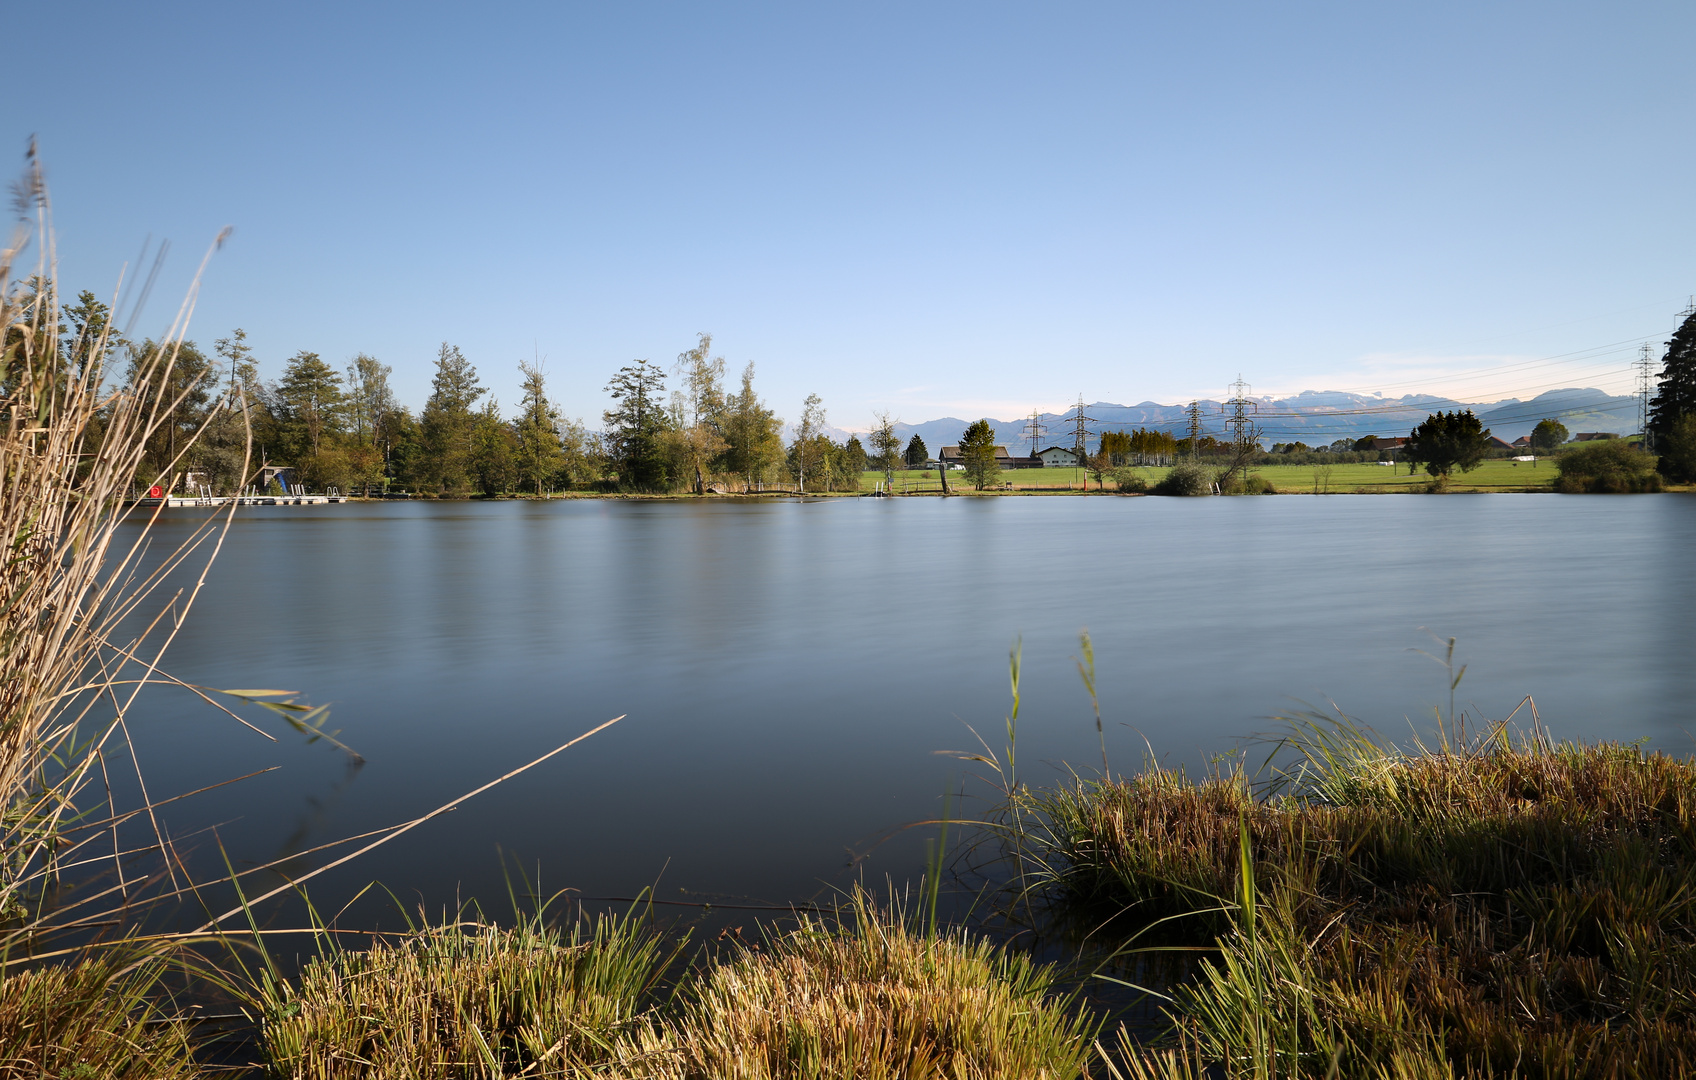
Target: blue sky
point(928, 208)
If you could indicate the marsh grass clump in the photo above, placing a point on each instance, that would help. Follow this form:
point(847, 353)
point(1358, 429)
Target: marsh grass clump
point(467, 999)
point(1505, 907)
point(868, 997)
point(90, 1021)
point(876, 998)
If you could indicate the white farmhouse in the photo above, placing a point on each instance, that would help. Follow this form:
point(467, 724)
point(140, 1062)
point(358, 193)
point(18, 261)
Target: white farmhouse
point(1058, 457)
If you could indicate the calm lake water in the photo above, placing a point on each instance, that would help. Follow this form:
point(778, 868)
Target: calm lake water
point(789, 670)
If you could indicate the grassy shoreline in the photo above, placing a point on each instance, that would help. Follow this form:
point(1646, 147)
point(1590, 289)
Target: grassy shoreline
point(1495, 906)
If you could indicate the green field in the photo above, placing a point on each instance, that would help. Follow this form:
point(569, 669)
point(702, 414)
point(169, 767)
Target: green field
point(1297, 479)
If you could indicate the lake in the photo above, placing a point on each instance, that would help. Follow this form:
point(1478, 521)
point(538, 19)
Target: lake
point(788, 671)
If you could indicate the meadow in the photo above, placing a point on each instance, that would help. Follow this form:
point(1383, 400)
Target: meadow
point(1493, 475)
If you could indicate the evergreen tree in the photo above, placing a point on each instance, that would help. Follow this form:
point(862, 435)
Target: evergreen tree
point(1678, 451)
point(244, 370)
point(853, 460)
point(977, 453)
point(540, 454)
point(493, 457)
point(86, 323)
point(916, 454)
point(634, 426)
point(447, 423)
point(1675, 399)
point(1448, 441)
point(312, 399)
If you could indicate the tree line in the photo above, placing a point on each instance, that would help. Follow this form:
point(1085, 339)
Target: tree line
point(343, 427)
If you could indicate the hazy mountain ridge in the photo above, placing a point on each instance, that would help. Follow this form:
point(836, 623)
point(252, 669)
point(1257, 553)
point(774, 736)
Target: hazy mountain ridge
point(1316, 417)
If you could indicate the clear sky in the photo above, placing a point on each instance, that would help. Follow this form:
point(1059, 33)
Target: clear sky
point(938, 209)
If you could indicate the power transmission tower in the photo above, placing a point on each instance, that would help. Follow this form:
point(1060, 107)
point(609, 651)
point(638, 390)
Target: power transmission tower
point(1195, 429)
point(1244, 435)
point(1035, 430)
point(1645, 373)
point(1241, 423)
point(1080, 430)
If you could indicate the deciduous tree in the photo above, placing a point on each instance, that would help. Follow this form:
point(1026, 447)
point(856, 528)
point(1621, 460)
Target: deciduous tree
point(1547, 435)
point(977, 453)
point(752, 433)
point(698, 409)
point(1448, 441)
point(886, 445)
point(811, 451)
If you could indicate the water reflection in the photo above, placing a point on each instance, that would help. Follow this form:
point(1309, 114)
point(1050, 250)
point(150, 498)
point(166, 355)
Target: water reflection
point(790, 670)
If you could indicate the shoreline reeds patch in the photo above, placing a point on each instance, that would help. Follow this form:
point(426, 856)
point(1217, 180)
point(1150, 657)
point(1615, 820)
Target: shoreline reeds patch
point(1506, 906)
point(865, 996)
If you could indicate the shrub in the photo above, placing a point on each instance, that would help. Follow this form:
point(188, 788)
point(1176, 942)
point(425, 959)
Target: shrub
point(1129, 480)
point(1186, 478)
point(1609, 466)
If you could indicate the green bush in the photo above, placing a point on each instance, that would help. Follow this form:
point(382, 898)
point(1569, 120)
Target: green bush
point(1186, 478)
point(1610, 466)
point(1129, 480)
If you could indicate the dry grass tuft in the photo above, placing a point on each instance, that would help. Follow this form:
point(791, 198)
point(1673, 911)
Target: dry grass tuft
point(872, 1000)
point(878, 1001)
point(88, 1022)
point(467, 1000)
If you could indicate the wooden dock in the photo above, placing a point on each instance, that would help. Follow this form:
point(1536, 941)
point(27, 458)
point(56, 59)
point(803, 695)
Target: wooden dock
point(241, 500)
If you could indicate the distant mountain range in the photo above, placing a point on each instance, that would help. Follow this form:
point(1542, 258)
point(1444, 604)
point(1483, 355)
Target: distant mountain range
point(1315, 417)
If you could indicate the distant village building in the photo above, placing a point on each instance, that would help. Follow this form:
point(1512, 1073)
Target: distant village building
point(1522, 442)
point(1500, 444)
point(1592, 436)
point(1381, 443)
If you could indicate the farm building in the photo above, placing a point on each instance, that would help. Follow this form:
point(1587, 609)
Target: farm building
point(1058, 457)
point(950, 455)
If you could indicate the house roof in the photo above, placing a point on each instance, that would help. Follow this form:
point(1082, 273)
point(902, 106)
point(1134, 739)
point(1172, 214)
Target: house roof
point(1062, 449)
point(954, 452)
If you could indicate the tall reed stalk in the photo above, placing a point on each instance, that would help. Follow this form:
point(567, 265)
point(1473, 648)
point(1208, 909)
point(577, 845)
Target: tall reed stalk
point(73, 445)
